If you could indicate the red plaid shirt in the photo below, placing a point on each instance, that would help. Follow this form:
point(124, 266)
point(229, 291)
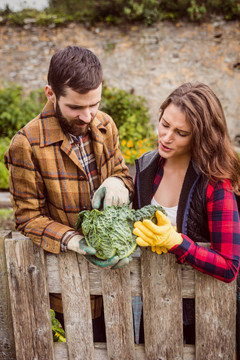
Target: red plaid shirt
point(222, 260)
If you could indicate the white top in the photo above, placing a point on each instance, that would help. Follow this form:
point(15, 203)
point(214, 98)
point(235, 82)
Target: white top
point(170, 211)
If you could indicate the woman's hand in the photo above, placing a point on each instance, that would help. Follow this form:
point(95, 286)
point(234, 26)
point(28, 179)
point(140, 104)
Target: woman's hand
point(162, 235)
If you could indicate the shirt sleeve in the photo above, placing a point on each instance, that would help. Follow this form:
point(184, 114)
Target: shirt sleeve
point(28, 198)
point(222, 259)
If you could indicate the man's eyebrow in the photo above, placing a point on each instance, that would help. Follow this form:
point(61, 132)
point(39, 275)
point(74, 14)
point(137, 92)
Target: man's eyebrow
point(82, 106)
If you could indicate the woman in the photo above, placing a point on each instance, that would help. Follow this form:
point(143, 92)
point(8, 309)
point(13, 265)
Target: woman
point(194, 176)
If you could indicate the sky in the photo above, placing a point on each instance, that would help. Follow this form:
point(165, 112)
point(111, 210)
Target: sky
point(17, 5)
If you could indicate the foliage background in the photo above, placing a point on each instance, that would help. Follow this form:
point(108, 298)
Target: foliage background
point(129, 112)
point(119, 12)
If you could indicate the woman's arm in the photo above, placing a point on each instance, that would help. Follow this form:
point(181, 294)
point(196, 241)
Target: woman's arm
point(222, 260)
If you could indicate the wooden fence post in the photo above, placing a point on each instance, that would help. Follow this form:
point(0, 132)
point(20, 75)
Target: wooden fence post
point(74, 281)
point(162, 306)
point(215, 313)
point(161, 281)
point(7, 344)
point(118, 315)
point(29, 300)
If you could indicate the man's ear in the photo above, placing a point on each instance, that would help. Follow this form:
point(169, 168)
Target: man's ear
point(50, 94)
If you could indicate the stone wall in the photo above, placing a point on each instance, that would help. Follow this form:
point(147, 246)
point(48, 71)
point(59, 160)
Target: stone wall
point(152, 61)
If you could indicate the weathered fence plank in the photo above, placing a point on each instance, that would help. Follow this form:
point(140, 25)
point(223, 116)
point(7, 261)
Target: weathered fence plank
point(162, 306)
point(215, 305)
point(74, 281)
point(118, 315)
point(188, 279)
point(29, 300)
point(158, 279)
point(102, 354)
point(52, 269)
point(7, 345)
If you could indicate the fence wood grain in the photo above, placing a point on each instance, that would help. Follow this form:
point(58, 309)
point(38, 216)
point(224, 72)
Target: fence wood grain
point(158, 279)
point(7, 345)
point(162, 306)
point(101, 352)
point(29, 300)
point(215, 305)
point(76, 306)
point(188, 279)
point(118, 314)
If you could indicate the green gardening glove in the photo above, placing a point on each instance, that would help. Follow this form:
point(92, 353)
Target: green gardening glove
point(123, 262)
point(78, 244)
point(112, 263)
point(106, 264)
point(111, 192)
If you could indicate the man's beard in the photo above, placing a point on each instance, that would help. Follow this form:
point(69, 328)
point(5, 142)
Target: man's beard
point(70, 126)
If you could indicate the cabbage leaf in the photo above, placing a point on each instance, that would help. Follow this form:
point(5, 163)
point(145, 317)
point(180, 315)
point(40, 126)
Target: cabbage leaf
point(110, 231)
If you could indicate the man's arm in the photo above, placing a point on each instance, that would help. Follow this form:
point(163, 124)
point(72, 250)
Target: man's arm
point(28, 197)
point(118, 188)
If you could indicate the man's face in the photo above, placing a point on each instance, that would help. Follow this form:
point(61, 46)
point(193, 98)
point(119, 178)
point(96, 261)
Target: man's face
point(76, 111)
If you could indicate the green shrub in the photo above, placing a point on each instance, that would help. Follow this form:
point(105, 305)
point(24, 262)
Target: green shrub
point(129, 112)
point(57, 329)
point(16, 110)
point(121, 104)
point(4, 143)
point(195, 11)
point(145, 11)
point(117, 12)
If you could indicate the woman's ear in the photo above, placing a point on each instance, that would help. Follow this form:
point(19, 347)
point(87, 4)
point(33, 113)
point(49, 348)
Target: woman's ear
point(50, 94)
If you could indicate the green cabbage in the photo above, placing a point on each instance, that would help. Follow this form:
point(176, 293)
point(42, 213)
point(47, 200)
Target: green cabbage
point(110, 231)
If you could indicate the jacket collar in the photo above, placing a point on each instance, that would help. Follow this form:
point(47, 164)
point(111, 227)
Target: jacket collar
point(50, 129)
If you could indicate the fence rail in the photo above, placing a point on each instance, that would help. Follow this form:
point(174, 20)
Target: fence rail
point(28, 275)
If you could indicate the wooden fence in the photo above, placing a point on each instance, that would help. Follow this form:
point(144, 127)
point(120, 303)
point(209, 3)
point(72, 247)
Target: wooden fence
point(28, 275)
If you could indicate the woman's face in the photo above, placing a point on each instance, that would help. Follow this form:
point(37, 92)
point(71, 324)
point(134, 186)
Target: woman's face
point(174, 134)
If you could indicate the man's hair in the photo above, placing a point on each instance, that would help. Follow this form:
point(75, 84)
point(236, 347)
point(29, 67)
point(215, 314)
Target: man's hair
point(212, 150)
point(74, 67)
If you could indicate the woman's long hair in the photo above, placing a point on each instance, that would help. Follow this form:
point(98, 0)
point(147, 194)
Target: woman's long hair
point(212, 149)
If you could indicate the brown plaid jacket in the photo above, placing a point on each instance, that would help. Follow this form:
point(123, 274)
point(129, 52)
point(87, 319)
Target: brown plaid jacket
point(47, 183)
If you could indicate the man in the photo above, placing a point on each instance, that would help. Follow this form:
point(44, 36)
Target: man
point(67, 158)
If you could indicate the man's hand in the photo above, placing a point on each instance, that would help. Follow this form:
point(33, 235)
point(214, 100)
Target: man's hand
point(78, 244)
point(111, 192)
point(157, 236)
point(112, 263)
point(123, 262)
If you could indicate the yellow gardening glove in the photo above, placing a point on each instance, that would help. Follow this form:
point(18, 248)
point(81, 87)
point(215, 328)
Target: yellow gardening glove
point(157, 236)
point(159, 249)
